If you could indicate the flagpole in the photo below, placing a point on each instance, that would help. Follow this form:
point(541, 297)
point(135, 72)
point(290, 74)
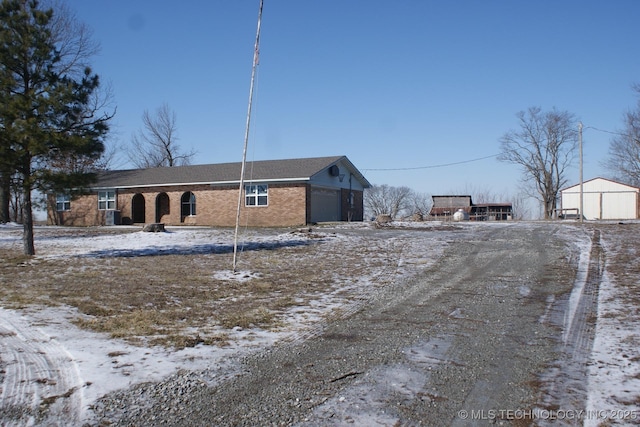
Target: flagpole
point(246, 136)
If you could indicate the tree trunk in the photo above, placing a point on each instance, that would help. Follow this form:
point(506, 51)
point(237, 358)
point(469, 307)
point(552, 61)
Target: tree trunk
point(549, 208)
point(27, 221)
point(547, 214)
point(5, 196)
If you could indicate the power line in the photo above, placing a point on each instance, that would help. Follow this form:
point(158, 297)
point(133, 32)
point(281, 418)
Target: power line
point(607, 131)
point(475, 160)
point(433, 166)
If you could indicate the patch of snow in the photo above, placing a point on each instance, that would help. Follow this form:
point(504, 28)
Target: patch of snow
point(93, 364)
point(235, 276)
point(365, 402)
point(578, 287)
point(10, 225)
point(614, 369)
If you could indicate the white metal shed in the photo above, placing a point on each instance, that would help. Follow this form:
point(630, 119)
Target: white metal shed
point(602, 199)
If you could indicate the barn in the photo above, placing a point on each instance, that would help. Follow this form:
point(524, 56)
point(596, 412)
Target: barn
point(601, 199)
point(289, 192)
point(444, 207)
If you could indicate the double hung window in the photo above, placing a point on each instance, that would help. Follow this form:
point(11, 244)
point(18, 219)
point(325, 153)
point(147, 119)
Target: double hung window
point(106, 200)
point(63, 202)
point(256, 195)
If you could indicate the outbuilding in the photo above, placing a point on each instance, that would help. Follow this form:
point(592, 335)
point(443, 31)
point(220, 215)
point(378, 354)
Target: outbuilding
point(601, 199)
point(445, 207)
point(288, 192)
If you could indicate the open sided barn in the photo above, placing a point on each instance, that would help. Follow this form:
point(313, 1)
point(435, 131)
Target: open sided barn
point(444, 207)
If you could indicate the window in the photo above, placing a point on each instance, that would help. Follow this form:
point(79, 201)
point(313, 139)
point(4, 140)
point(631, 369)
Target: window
point(256, 195)
point(106, 200)
point(63, 202)
point(188, 202)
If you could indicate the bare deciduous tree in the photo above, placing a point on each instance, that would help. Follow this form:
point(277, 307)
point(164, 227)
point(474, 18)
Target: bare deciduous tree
point(479, 194)
point(73, 38)
point(624, 149)
point(520, 207)
point(545, 146)
point(420, 204)
point(388, 200)
point(157, 144)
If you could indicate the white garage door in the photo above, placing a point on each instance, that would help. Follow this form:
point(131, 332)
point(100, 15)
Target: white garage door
point(325, 205)
point(619, 206)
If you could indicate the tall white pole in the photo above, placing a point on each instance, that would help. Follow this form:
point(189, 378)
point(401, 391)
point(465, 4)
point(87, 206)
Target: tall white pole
point(581, 192)
point(246, 135)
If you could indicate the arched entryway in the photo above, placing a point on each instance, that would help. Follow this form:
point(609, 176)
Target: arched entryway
point(138, 208)
point(162, 206)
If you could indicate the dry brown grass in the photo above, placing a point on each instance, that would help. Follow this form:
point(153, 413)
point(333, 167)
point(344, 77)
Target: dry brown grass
point(622, 264)
point(175, 300)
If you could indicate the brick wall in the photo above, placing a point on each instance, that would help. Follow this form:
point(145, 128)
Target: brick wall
point(215, 206)
point(84, 212)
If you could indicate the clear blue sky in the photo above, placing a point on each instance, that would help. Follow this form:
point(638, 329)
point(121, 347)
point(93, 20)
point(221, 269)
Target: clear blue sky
point(390, 84)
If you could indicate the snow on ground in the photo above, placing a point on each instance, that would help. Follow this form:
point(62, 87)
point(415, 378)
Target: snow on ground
point(92, 364)
point(99, 365)
point(613, 389)
point(614, 371)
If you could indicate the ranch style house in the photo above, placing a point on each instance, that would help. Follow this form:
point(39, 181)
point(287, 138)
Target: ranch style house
point(276, 193)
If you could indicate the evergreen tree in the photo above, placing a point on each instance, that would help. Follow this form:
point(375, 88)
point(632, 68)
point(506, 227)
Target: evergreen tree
point(47, 114)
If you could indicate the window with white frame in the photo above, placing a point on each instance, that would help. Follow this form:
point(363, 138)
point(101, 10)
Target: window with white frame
point(63, 202)
point(256, 195)
point(106, 200)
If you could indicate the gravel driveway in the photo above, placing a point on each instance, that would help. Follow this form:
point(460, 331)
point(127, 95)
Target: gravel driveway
point(465, 342)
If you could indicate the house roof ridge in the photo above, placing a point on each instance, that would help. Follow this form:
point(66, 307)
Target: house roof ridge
point(286, 170)
point(335, 158)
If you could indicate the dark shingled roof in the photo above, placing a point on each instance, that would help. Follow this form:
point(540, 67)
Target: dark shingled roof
point(265, 170)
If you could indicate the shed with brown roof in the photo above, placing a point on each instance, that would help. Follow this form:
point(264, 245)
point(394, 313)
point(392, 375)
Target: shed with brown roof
point(288, 192)
point(445, 206)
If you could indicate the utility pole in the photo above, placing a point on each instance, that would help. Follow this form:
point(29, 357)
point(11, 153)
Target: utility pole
point(256, 52)
point(581, 192)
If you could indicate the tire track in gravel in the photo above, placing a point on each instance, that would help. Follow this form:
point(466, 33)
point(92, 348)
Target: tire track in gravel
point(478, 344)
point(464, 335)
point(566, 382)
point(40, 381)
